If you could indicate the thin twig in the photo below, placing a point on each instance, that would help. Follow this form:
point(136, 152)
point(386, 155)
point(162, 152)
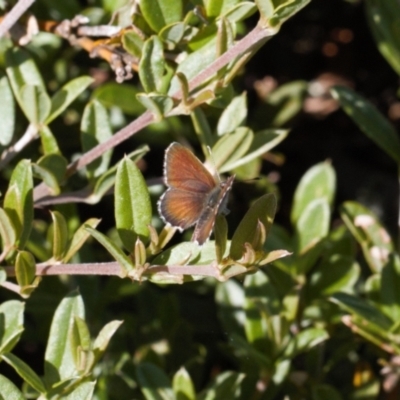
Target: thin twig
point(114, 269)
point(11, 286)
point(29, 136)
point(12, 17)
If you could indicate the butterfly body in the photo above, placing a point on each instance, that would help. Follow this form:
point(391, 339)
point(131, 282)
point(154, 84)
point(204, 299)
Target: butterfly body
point(194, 196)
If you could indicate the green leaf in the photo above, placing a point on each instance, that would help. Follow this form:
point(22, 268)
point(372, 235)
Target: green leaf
point(248, 352)
point(21, 71)
point(25, 268)
point(319, 182)
point(153, 382)
point(234, 115)
point(202, 129)
point(103, 338)
point(225, 386)
point(66, 95)
point(177, 254)
point(240, 11)
point(59, 354)
point(159, 13)
point(133, 43)
point(47, 177)
point(119, 95)
point(220, 7)
point(80, 336)
point(363, 309)
point(231, 147)
point(285, 102)
point(383, 19)
point(7, 231)
point(183, 385)
point(337, 274)
point(159, 105)
point(286, 9)
point(96, 129)
point(11, 324)
point(305, 340)
point(132, 204)
point(18, 201)
point(263, 142)
point(3, 275)
point(230, 299)
point(313, 224)
point(114, 250)
point(152, 65)
point(369, 120)
point(8, 390)
point(373, 238)
point(390, 288)
point(56, 164)
point(184, 254)
point(221, 236)
point(84, 391)
point(266, 9)
point(194, 63)
point(24, 371)
point(256, 287)
point(60, 235)
point(172, 34)
point(7, 112)
point(35, 103)
point(49, 142)
point(262, 210)
point(79, 238)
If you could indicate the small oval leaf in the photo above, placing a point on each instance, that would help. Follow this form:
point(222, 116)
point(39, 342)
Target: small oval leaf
point(25, 268)
point(262, 210)
point(35, 103)
point(18, 201)
point(7, 112)
point(114, 250)
point(66, 95)
point(132, 204)
point(369, 120)
point(159, 13)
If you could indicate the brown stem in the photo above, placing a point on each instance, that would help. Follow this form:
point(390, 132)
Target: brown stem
point(114, 269)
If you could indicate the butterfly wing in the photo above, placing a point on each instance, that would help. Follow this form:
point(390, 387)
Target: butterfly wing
point(184, 171)
point(206, 221)
point(180, 208)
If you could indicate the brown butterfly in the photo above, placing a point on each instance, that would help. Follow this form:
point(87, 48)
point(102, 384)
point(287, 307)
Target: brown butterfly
point(193, 196)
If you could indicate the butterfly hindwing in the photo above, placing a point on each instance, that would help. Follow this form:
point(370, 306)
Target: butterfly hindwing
point(181, 208)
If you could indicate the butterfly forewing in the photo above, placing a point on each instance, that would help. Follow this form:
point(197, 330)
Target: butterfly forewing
point(185, 172)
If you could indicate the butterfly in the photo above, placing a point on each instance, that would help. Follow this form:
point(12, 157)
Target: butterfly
point(194, 196)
